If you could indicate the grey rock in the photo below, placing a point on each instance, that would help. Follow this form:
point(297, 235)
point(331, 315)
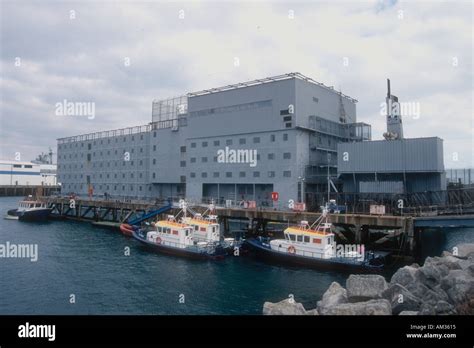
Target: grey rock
point(444, 308)
point(459, 286)
point(312, 312)
point(446, 253)
point(334, 295)
point(372, 307)
point(401, 299)
point(465, 250)
point(365, 287)
point(408, 313)
point(285, 307)
point(405, 275)
point(427, 309)
point(470, 270)
point(430, 274)
point(432, 296)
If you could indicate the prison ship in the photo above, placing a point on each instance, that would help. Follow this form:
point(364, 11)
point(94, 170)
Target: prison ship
point(177, 238)
point(313, 247)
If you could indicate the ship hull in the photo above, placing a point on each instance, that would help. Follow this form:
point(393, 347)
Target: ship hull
point(269, 255)
point(174, 251)
point(34, 215)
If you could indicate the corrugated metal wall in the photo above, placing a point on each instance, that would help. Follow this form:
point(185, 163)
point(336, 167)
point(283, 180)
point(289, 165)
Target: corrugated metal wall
point(406, 155)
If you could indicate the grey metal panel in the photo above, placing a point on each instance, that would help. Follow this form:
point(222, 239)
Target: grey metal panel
point(406, 155)
point(381, 186)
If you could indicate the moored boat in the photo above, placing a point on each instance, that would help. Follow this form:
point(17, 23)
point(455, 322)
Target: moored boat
point(304, 245)
point(30, 210)
point(176, 238)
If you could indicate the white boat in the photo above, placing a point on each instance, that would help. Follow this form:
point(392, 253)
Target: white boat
point(176, 238)
point(314, 247)
point(30, 210)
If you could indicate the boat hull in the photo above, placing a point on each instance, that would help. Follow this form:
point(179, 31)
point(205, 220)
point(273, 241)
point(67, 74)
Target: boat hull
point(180, 252)
point(265, 253)
point(34, 215)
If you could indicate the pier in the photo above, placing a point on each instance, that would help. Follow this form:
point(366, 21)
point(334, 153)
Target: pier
point(25, 190)
point(350, 228)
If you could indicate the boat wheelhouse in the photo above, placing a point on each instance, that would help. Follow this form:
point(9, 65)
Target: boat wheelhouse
point(204, 228)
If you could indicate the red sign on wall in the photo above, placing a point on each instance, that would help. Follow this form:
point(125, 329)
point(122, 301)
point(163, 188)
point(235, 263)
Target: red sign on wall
point(275, 196)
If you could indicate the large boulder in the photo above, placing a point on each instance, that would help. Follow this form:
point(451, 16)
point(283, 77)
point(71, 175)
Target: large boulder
point(427, 309)
point(405, 275)
point(401, 299)
point(464, 250)
point(312, 312)
point(285, 307)
point(449, 261)
point(365, 287)
point(430, 274)
point(334, 295)
point(444, 308)
point(372, 307)
point(459, 286)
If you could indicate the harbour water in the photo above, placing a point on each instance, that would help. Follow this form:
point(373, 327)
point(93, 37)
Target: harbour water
point(92, 264)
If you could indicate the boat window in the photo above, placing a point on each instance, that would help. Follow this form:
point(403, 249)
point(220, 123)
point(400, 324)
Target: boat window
point(38, 205)
point(299, 238)
point(316, 240)
point(292, 237)
point(203, 229)
point(213, 229)
point(306, 239)
point(160, 229)
point(196, 228)
point(175, 232)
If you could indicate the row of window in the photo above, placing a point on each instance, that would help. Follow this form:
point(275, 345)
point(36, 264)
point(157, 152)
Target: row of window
point(89, 145)
point(242, 141)
point(131, 175)
point(256, 174)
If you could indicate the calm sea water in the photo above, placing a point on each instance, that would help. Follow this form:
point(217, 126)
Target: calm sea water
point(89, 262)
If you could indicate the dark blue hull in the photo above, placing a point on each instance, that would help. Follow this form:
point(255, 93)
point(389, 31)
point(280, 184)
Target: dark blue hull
point(335, 264)
point(34, 215)
point(191, 253)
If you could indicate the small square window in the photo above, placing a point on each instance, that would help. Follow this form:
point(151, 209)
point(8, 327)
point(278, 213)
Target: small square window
point(228, 142)
point(217, 143)
point(256, 140)
point(204, 144)
point(242, 141)
point(193, 145)
point(285, 136)
point(228, 174)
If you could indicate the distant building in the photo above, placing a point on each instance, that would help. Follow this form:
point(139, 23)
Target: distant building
point(291, 123)
point(16, 173)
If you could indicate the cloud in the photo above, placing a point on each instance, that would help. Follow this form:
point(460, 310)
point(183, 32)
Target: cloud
point(83, 59)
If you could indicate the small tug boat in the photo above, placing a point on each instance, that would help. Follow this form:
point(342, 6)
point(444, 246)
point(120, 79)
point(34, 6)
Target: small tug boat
point(314, 247)
point(177, 238)
point(30, 210)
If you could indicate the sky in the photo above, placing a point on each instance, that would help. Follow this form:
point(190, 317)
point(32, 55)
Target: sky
point(122, 55)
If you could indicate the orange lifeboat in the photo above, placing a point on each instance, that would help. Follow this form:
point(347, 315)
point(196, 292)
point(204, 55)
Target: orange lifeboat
point(126, 229)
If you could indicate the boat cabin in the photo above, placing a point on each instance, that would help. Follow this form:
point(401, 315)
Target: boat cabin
point(304, 241)
point(169, 232)
point(204, 228)
point(31, 205)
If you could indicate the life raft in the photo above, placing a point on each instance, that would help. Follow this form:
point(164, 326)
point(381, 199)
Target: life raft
point(126, 229)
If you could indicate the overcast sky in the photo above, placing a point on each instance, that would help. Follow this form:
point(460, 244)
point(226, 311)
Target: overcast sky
point(51, 51)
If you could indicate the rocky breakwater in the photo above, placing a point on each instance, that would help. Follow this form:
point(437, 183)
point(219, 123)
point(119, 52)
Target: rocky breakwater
point(442, 286)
